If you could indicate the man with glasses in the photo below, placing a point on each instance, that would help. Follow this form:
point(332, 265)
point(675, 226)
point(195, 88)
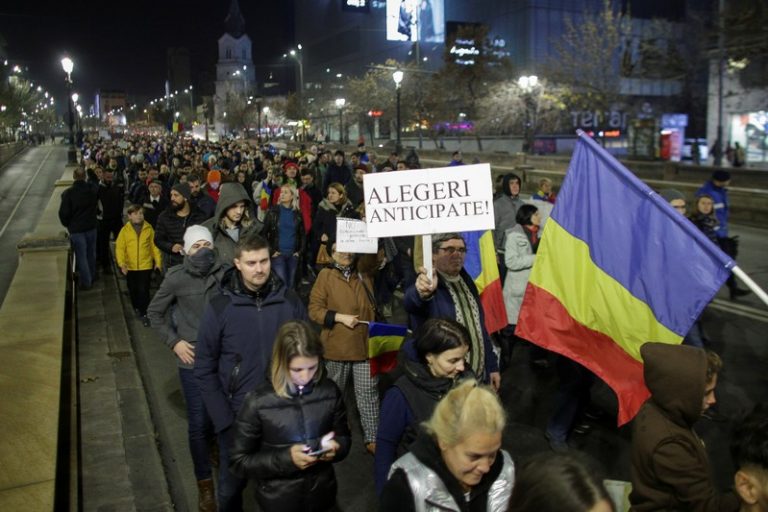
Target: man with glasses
point(451, 293)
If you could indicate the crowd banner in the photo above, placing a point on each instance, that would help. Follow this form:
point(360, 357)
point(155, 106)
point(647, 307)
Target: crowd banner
point(429, 201)
point(616, 267)
point(351, 236)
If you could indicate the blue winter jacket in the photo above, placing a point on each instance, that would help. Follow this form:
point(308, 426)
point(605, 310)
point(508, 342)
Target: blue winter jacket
point(720, 198)
point(234, 343)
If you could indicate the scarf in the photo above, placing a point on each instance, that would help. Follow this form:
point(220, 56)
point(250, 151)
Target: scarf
point(468, 315)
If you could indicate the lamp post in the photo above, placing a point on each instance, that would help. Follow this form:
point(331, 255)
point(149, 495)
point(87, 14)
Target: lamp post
point(299, 58)
point(258, 119)
point(266, 121)
point(340, 102)
point(528, 84)
point(67, 65)
point(397, 76)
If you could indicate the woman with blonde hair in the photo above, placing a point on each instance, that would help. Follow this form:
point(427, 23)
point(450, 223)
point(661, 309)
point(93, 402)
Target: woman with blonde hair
point(284, 230)
point(290, 430)
point(456, 462)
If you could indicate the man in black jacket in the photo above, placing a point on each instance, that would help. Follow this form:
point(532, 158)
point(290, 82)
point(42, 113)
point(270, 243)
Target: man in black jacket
point(77, 213)
point(110, 203)
point(173, 222)
point(338, 171)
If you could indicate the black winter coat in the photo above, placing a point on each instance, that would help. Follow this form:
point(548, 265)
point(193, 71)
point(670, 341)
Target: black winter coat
point(111, 201)
point(170, 229)
point(77, 211)
point(266, 428)
point(325, 221)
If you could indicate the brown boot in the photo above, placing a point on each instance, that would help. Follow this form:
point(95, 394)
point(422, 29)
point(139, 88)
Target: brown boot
point(206, 501)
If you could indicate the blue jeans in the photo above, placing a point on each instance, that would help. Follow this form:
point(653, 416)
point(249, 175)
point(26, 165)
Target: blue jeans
point(230, 491)
point(284, 265)
point(84, 247)
point(199, 426)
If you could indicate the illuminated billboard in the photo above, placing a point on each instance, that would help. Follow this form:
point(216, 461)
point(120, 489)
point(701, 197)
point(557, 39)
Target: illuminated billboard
point(416, 20)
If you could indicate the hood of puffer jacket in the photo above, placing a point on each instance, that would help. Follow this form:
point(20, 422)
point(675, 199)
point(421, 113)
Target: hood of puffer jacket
point(230, 193)
point(675, 376)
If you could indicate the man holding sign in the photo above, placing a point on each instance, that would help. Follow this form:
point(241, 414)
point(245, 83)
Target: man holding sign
point(428, 202)
point(451, 293)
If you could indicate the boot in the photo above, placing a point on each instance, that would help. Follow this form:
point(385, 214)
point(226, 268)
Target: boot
point(206, 500)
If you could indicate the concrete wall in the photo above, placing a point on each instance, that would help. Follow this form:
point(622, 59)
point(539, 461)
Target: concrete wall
point(34, 371)
point(8, 151)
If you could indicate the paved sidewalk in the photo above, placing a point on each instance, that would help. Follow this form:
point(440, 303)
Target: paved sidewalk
point(121, 467)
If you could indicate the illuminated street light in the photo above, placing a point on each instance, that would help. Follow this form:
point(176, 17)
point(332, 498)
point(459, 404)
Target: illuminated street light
point(68, 66)
point(340, 102)
point(397, 76)
point(528, 84)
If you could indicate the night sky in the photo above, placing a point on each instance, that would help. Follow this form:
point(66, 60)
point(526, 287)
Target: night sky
point(122, 45)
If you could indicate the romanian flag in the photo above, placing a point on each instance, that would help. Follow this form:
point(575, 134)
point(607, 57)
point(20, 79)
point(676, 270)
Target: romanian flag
point(264, 197)
point(384, 341)
point(481, 265)
point(616, 267)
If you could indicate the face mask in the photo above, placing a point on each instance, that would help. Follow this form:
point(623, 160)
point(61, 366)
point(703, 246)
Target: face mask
point(202, 260)
point(214, 185)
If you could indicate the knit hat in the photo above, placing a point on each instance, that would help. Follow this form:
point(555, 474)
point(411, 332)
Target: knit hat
point(194, 234)
point(670, 194)
point(214, 176)
point(183, 189)
point(289, 165)
point(721, 175)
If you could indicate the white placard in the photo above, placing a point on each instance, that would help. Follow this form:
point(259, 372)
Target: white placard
point(351, 236)
point(426, 201)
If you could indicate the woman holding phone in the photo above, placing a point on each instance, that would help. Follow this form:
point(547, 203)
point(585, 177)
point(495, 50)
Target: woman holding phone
point(290, 430)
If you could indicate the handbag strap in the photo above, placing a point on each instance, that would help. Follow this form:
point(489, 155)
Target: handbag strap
point(376, 313)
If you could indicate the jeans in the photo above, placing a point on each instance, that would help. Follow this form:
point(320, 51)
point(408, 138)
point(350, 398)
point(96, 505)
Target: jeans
point(84, 247)
point(285, 266)
point(230, 491)
point(199, 427)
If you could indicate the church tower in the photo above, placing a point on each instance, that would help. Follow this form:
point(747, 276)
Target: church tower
point(235, 75)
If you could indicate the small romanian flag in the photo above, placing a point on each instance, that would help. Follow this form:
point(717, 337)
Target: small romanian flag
point(481, 265)
point(384, 342)
point(616, 267)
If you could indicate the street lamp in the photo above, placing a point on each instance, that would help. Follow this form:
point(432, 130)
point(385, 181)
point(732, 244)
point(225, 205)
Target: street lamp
point(340, 102)
point(67, 65)
point(266, 121)
point(397, 76)
point(528, 84)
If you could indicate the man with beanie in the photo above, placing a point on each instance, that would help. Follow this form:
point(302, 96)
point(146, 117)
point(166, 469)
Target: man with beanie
point(232, 221)
point(675, 198)
point(173, 222)
point(186, 289)
point(235, 341)
point(670, 467)
point(717, 189)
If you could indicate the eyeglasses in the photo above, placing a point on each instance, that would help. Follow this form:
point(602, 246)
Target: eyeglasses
point(452, 250)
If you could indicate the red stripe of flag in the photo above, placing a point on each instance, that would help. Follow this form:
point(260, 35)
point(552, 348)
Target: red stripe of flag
point(545, 322)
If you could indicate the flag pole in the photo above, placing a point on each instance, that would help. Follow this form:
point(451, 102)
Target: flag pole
point(751, 284)
point(426, 249)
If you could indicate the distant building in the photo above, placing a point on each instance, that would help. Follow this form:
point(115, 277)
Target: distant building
point(109, 100)
point(235, 74)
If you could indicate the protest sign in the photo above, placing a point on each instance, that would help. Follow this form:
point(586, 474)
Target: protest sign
point(351, 236)
point(426, 201)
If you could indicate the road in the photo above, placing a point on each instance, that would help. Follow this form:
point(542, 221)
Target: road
point(26, 184)
point(736, 331)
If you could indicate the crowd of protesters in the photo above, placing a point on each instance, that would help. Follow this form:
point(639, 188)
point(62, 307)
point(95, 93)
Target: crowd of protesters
point(237, 232)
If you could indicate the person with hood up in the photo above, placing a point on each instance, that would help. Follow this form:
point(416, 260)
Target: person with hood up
point(670, 467)
point(231, 221)
point(184, 292)
point(504, 211)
